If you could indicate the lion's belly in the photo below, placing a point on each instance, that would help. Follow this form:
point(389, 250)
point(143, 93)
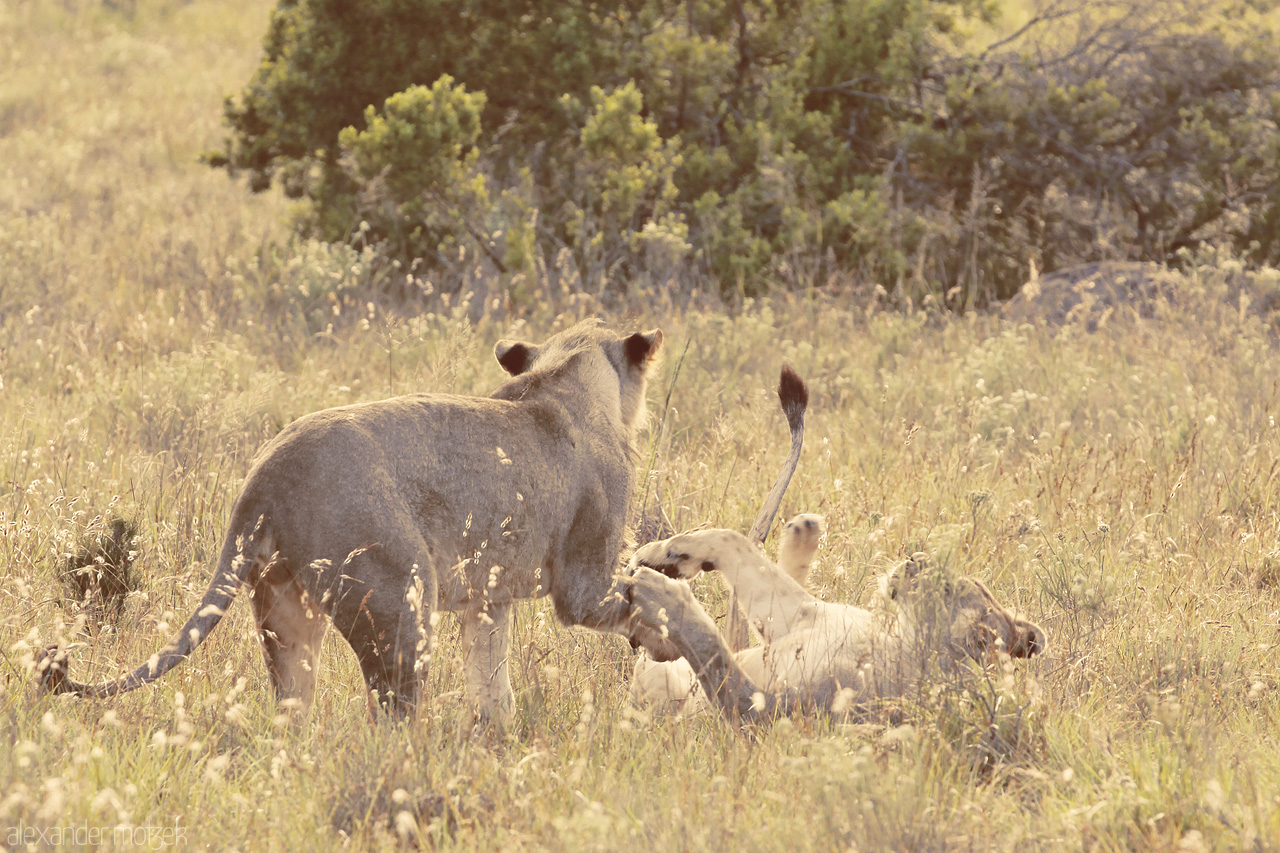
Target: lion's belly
point(486, 545)
point(498, 573)
point(809, 657)
point(497, 585)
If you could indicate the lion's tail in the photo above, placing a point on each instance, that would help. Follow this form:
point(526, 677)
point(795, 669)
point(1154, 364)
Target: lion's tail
point(238, 554)
point(793, 395)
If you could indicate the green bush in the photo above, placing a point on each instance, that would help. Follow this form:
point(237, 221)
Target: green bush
point(412, 175)
point(754, 143)
point(1154, 133)
point(624, 188)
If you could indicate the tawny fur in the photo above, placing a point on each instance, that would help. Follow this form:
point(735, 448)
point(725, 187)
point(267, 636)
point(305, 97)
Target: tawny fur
point(372, 516)
point(667, 687)
point(798, 545)
point(819, 655)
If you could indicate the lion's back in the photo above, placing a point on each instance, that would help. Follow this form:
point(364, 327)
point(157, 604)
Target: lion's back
point(468, 473)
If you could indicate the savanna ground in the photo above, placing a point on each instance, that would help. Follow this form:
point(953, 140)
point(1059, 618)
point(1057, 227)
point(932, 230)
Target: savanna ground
point(1121, 487)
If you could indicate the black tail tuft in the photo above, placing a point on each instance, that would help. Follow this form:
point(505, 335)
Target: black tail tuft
point(794, 395)
point(52, 669)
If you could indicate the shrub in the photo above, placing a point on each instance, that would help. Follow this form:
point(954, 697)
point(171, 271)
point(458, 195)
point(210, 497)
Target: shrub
point(624, 177)
point(412, 175)
point(1151, 130)
point(744, 140)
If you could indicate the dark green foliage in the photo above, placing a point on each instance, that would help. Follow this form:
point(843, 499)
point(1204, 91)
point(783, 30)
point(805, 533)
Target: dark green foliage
point(325, 61)
point(770, 141)
point(415, 166)
point(1156, 133)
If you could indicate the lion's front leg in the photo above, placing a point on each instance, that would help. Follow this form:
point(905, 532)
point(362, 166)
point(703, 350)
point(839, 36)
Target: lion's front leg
point(666, 609)
point(486, 645)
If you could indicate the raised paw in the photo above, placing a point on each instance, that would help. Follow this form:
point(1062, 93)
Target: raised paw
point(687, 555)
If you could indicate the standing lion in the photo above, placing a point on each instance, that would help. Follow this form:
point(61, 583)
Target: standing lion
point(375, 515)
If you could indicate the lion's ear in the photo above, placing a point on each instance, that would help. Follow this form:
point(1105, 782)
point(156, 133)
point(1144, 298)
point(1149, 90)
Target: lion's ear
point(907, 575)
point(642, 346)
point(514, 356)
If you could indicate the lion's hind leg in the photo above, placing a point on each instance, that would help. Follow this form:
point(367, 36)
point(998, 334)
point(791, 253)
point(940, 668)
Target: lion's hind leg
point(291, 627)
point(383, 607)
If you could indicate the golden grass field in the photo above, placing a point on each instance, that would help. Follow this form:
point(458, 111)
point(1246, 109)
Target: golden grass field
point(1122, 488)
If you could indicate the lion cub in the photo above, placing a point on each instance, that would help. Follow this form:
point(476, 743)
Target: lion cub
point(817, 654)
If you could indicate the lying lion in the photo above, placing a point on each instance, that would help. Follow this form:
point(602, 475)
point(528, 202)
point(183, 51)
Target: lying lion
point(816, 655)
point(798, 543)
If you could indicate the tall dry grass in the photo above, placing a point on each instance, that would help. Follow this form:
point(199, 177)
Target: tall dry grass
point(1122, 488)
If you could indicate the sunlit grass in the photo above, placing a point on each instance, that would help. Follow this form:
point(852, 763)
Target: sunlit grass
point(1120, 488)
